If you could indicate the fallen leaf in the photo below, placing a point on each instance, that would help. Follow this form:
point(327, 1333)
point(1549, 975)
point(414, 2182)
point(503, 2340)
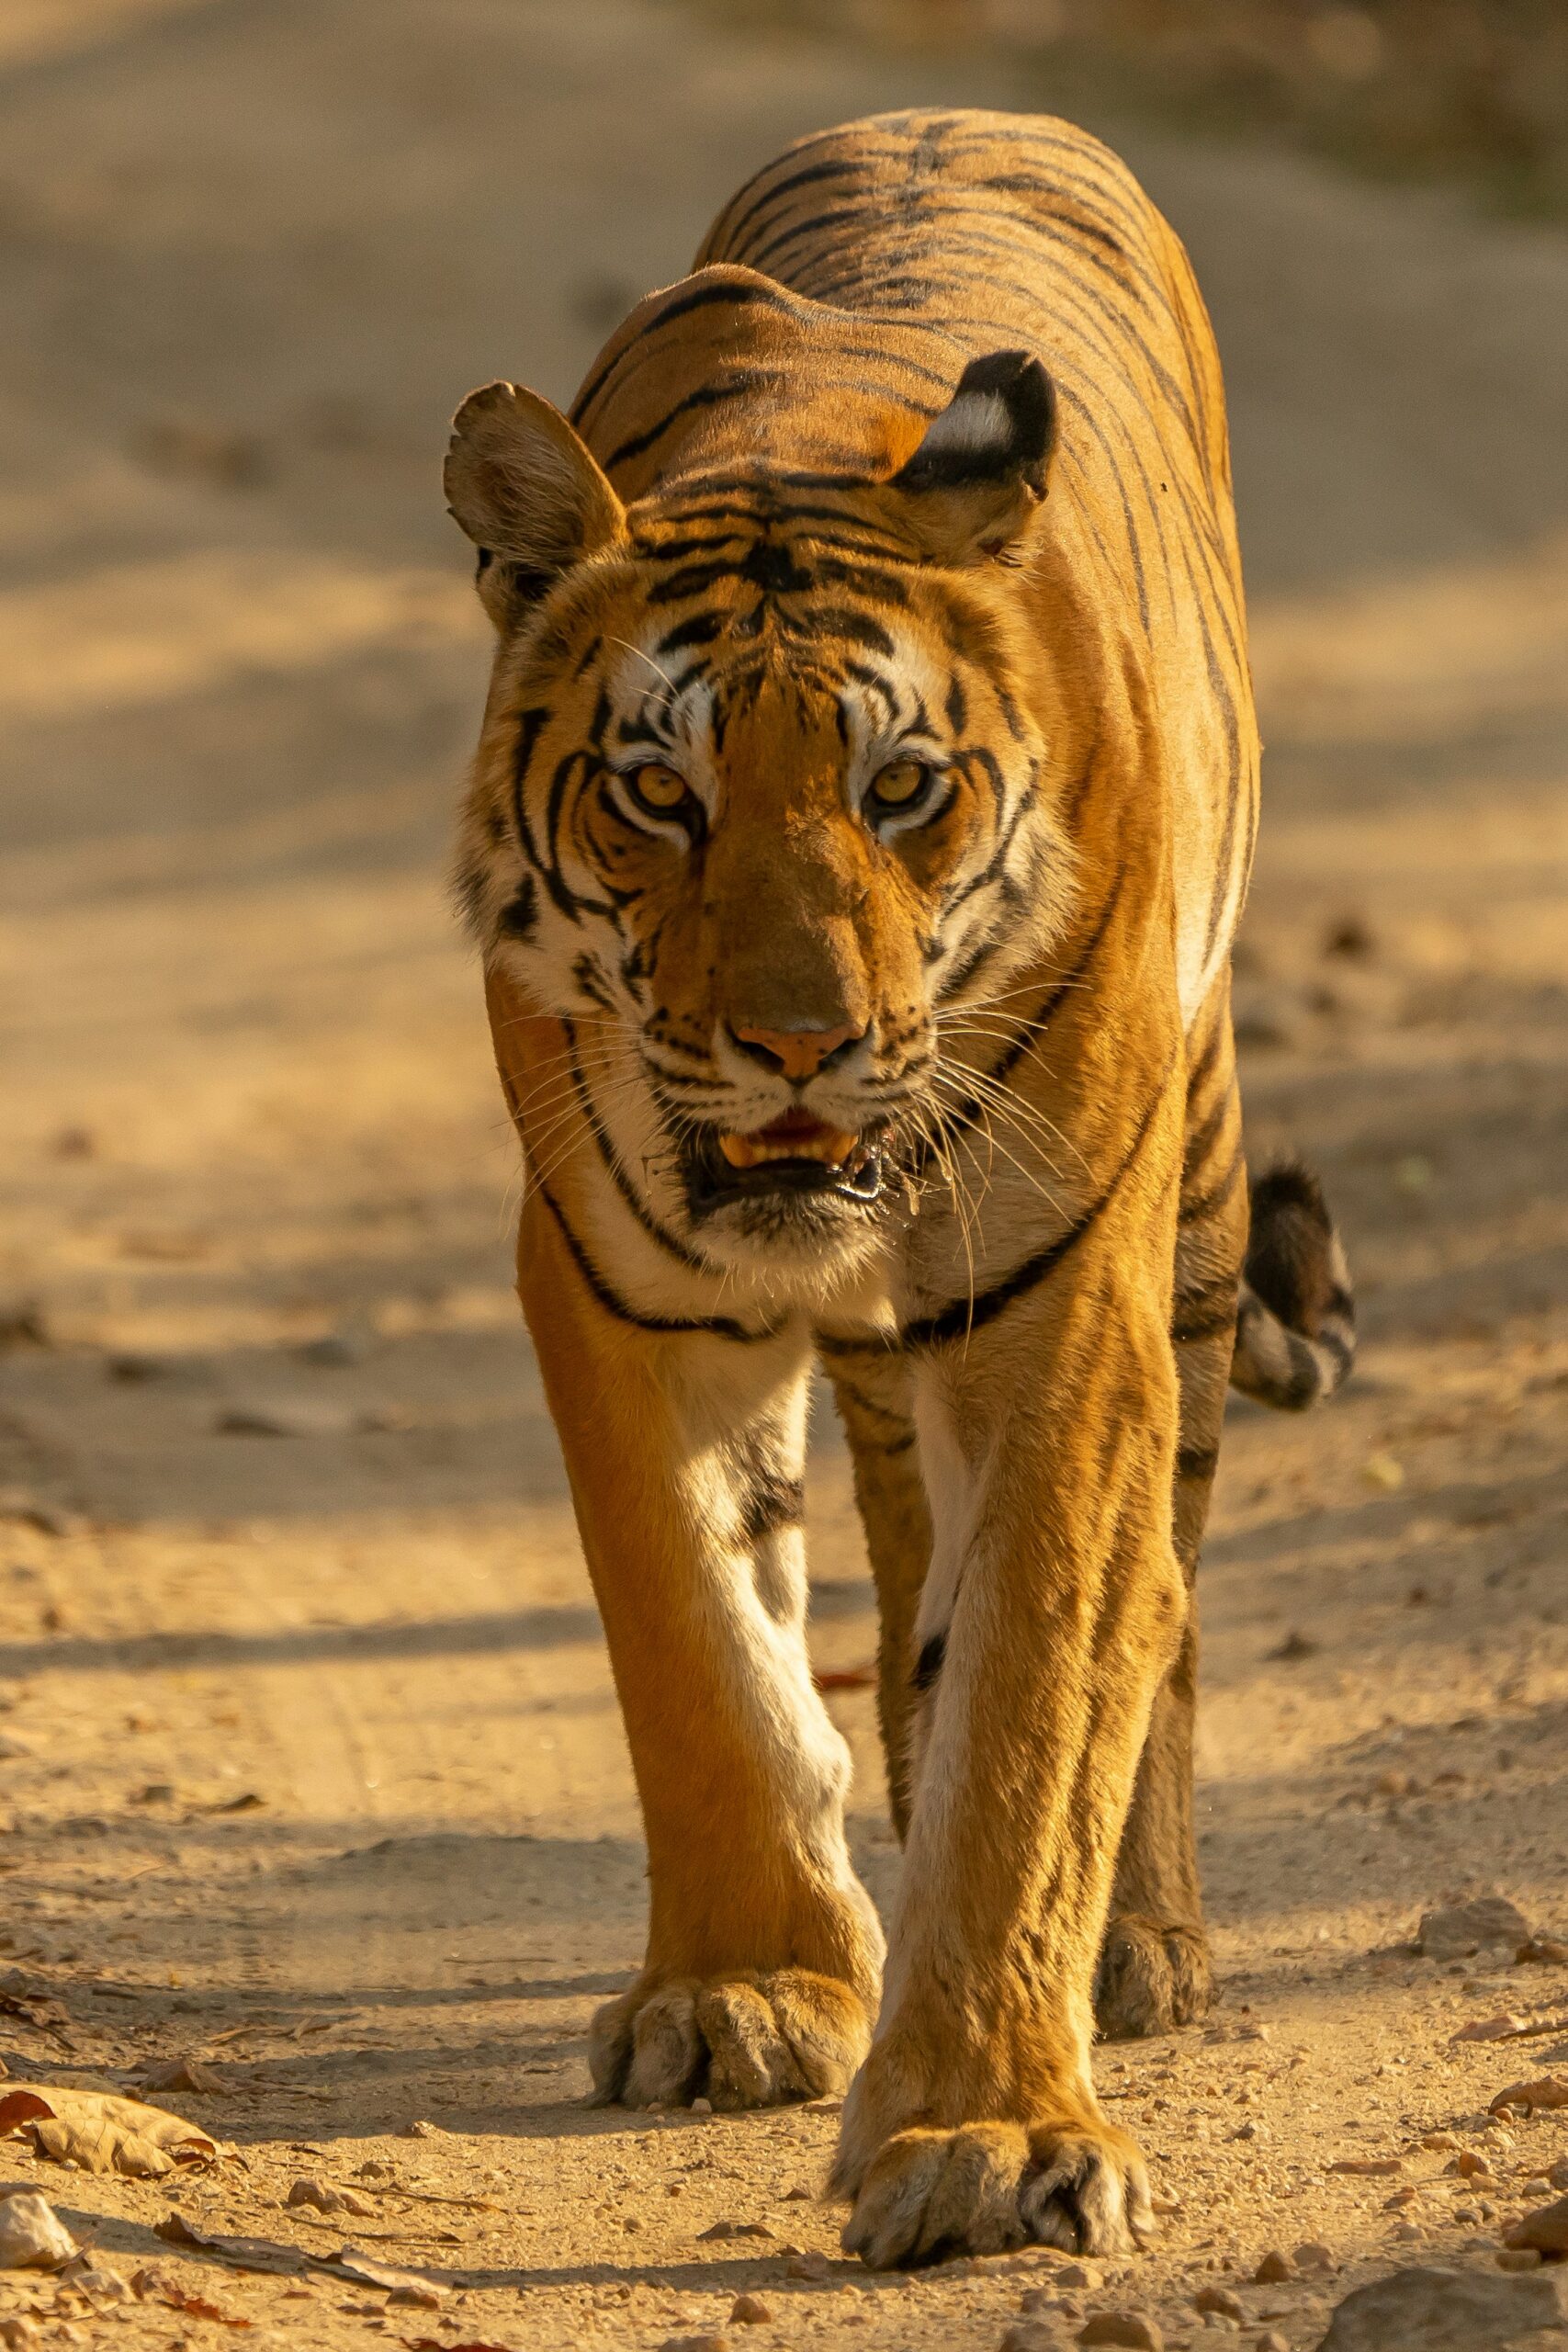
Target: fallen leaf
point(242, 2254)
point(98, 2132)
point(40, 2010)
point(32, 2235)
point(326, 2199)
point(351, 2262)
point(1499, 2029)
point(1546, 2091)
point(198, 2307)
point(249, 1803)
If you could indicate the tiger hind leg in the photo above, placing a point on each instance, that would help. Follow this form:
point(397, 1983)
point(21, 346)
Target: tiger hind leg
point(1154, 1969)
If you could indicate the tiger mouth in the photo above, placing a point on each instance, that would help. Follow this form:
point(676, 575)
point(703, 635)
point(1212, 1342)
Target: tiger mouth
point(795, 1153)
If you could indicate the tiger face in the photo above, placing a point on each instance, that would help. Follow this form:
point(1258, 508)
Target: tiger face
point(767, 790)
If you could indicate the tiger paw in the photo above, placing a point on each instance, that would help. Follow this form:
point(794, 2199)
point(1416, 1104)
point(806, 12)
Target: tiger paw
point(744, 2039)
point(1152, 1978)
point(986, 2187)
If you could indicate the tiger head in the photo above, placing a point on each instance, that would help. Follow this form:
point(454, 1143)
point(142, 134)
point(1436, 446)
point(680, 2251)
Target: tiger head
point(769, 789)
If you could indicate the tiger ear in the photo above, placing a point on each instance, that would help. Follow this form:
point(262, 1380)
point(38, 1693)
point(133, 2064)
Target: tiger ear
point(979, 474)
point(528, 492)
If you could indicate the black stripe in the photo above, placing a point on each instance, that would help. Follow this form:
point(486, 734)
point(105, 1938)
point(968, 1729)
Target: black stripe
point(962, 1316)
point(772, 1503)
point(930, 1663)
point(718, 1326)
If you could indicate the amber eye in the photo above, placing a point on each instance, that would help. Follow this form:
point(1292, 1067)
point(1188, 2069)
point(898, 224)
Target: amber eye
point(900, 785)
point(658, 790)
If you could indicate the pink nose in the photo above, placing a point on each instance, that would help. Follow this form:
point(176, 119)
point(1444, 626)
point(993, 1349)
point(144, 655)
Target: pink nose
point(799, 1053)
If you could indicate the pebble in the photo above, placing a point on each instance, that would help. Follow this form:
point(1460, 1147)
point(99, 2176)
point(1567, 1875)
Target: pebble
point(1026, 2338)
point(32, 2235)
point(695, 2343)
point(1223, 2300)
point(809, 2266)
point(750, 2311)
point(1274, 2269)
point(1074, 2274)
point(1134, 2328)
point(1313, 2254)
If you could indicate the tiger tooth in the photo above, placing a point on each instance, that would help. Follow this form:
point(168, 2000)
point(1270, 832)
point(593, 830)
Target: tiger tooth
point(738, 1152)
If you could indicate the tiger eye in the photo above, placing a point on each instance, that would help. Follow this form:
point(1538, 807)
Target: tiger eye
point(658, 788)
point(898, 784)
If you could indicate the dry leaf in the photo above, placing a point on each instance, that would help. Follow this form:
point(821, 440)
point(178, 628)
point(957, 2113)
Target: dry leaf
point(1500, 2028)
point(326, 2199)
point(243, 2254)
point(350, 2262)
point(198, 2307)
point(32, 2235)
point(1547, 2090)
point(100, 2134)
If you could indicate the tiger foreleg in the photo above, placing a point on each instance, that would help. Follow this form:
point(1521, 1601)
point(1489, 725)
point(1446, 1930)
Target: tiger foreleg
point(686, 1452)
point(1054, 1606)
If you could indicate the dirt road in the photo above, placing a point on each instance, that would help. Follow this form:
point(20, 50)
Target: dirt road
point(309, 1764)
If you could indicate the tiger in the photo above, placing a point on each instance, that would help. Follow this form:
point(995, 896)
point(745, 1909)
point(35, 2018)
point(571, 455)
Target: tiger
point(863, 808)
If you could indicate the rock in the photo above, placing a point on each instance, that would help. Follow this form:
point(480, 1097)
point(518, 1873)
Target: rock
point(1454, 1930)
point(1543, 1951)
point(1024, 2336)
point(180, 2075)
point(1074, 2274)
point(1519, 2257)
point(1439, 2140)
point(421, 2130)
point(1498, 2029)
point(1557, 2176)
point(1445, 2311)
point(1134, 2328)
point(719, 2229)
point(1369, 2167)
point(15, 2334)
point(325, 2200)
point(809, 2266)
point(1272, 2341)
point(1313, 2254)
point(750, 2311)
point(1223, 2300)
point(1546, 2230)
point(1274, 2269)
point(32, 2235)
point(695, 2343)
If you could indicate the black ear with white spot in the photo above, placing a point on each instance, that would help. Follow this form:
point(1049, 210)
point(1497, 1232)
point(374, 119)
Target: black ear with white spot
point(979, 472)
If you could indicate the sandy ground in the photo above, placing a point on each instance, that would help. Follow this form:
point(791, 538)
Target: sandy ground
point(309, 1764)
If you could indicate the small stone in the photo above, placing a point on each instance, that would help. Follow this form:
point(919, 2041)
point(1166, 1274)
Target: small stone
point(32, 2235)
point(1454, 1930)
point(1313, 2254)
point(15, 2334)
point(1557, 2176)
point(1223, 2300)
point(796, 2196)
point(1134, 2328)
point(750, 2311)
point(421, 2130)
point(1439, 2140)
point(1368, 2167)
point(1024, 2336)
point(702, 2107)
point(1382, 1470)
point(719, 2229)
point(1546, 2230)
point(1502, 2028)
point(413, 2297)
point(1519, 2257)
point(695, 2343)
point(809, 2266)
point(1272, 2341)
point(1545, 1952)
point(1074, 2274)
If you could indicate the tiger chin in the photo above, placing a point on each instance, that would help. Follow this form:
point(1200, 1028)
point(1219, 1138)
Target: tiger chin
point(862, 814)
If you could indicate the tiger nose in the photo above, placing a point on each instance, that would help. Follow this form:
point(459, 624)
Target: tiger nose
point(799, 1053)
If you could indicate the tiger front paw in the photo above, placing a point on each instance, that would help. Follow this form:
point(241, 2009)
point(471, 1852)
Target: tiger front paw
point(1152, 1977)
point(985, 2187)
point(743, 2039)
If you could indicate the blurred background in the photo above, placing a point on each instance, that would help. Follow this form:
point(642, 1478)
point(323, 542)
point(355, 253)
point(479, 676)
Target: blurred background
point(283, 1518)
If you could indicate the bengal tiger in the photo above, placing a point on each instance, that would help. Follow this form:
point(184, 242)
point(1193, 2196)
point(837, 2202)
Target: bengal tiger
point(863, 808)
